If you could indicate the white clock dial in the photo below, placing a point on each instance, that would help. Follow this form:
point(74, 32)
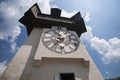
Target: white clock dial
point(60, 41)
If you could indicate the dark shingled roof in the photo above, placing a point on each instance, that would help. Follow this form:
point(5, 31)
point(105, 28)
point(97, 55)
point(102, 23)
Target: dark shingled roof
point(34, 18)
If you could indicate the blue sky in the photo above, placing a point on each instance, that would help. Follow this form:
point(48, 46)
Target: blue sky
point(102, 39)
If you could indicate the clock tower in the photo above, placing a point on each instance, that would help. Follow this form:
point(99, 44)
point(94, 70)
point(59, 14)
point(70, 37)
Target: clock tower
point(53, 50)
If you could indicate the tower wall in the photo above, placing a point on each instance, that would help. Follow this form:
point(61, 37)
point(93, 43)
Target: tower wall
point(52, 67)
point(34, 61)
point(22, 61)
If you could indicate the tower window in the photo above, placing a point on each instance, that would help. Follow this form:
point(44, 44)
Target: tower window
point(67, 76)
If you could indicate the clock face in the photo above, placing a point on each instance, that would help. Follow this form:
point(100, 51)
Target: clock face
point(60, 41)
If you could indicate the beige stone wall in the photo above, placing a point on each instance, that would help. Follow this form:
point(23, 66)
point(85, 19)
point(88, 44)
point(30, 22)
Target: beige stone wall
point(42, 51)
point(35, 62)
point(51, 67)
point(80, 53)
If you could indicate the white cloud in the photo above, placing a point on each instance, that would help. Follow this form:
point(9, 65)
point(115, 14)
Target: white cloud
point(108, 49)
point(87, 17)
point(9, 26)
point(45, 5)
point(101, 45)
point(2, 66)
point(12, 11)
point(67, 14)
point(107, 74)
point(14, 47)
point(87, 36)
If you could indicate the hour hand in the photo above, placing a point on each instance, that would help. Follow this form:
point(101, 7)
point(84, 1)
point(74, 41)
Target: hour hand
point(57, 39)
